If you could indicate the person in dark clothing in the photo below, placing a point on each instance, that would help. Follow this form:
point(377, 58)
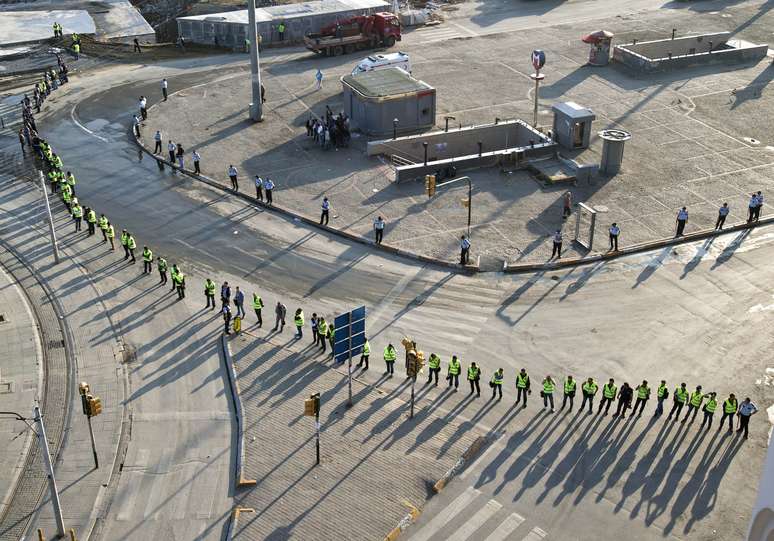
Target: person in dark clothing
point(624, 400)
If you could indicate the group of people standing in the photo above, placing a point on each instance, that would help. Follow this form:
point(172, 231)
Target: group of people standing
point(333, 130)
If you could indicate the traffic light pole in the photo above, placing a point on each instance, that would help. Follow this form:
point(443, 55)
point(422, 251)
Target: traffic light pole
point(317, 427)
point(93, 443)
point(49, 471)
point(413, 382)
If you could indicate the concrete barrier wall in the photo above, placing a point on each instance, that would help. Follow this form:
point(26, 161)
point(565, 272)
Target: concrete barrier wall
point(678, 46)
point(725, 56)
point(458, 143)
point(474, 161)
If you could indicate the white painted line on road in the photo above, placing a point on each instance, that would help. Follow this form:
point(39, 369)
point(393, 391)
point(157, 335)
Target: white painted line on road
point(134, 480)
point(476, 521)
point(447, 514)
point(463, 28)
point(506, 528)
point(160, 479)
point(84, 128)
point(535, 535)
point(378, 312)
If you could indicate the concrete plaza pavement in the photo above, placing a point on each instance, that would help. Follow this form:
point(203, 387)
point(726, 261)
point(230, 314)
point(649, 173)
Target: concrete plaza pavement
point(376, 463)
point(697, 141)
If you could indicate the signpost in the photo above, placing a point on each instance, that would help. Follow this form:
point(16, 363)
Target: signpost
point(348, 340)
point(312, 409)
point(538, 61)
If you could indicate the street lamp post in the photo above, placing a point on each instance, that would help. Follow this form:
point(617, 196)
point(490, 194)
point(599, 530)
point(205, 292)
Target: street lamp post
point(394, 128)
point(43, 442)
point(447, 119)
point(424, 144)
point(256, 107)
point(51, 229)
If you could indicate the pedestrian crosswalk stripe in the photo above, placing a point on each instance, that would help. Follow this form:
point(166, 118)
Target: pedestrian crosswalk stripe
point(506, 528)
point(441, 314)
point(535, 535)
point(447, 514)
point(475, 522)
point(155, 496)
point(134, 479)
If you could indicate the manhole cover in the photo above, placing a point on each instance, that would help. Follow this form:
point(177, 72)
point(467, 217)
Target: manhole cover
point(615, 135)
point(751, 140)
point(601, 208)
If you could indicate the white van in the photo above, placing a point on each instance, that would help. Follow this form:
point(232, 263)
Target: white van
point(382, 61)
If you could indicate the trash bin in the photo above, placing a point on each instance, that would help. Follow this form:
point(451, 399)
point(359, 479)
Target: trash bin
point(599, 54)
point(613, 142)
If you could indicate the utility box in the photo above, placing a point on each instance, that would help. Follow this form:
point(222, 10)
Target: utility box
point(387, 102)
point(572, 125)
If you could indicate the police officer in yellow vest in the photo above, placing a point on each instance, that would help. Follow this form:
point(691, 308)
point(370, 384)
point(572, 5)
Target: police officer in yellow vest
point(662, 393)
point(77, 213)
point(496, 383)
point(111, 235)
point(453, 374)
point(569, 391)
point(179, 280)
point(522, 387)
point(609, 391)
point(643, 394)
point(147, 260)
point(161, 265)
point(131, 244)
point(91, 220)
point(389, 358)
point(694, 404)
point(730, 407)
point(172, 273)
point(298, 319)
point(364, 355)
point(434, 367)
point(679, 400)
point(103, 225)
point(474, 375)
point(548, 392)
point(209, 294)
point(589, 389)
point(257, 306)
point(709, 409)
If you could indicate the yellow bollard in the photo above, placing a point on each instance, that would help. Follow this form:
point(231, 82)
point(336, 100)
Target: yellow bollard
point(41, 537)
point(72, 535)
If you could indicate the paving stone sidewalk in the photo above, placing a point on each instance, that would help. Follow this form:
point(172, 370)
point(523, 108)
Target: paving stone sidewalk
point(21, 376)
point(375, 461)
point(697, 141)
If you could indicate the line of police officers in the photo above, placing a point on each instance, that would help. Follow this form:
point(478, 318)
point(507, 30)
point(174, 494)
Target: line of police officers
point(692, 401)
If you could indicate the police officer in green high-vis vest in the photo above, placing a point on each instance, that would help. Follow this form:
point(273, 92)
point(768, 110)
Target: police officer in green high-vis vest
point(522, 387)
point(131, 245)
point(730, 407)
point(709, 409)
point(364, 355)
point(548, 392)
point(474, 375)
point(147, 260)
point(609, 391)
point(257, 307)
point(569, 391)
point(209, 294)
point(694, 404)
point(389, 358)
point(434, 368)
point(643, 394)
point(679, 400)
point(497, 383)
point(298, 319)
point(453, 374)
point(662, 393)
point(161, 265)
